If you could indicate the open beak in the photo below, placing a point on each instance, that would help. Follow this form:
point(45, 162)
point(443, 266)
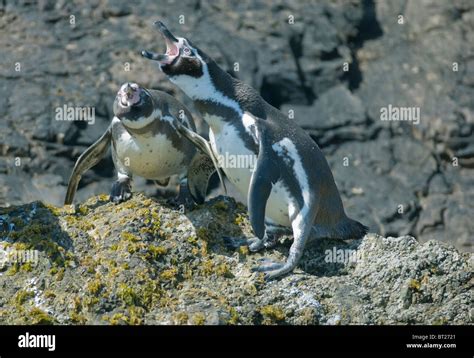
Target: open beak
point(172, 48)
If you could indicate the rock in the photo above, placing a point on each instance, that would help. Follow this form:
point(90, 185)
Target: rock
point(141, 262)
point(426, 62)
point(336, 108)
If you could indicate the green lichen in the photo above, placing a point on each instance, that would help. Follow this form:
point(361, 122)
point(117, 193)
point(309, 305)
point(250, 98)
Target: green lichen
point(83, 210)
point(40, 317)
point(198, 319)
point(37, 236)
point(239, 219)
point(49, 294)
point(26, 267)
point(149, 294)
point(117, 319)
point(130, 237)
point(53, 209)
point(272, 314)
point(207, 267)
point(244, 250)
point(192, 240)
point(234, 316)
point(221, 206)
point(414, 285)
point(154, 252)
point(60, 274)
point(135, 315)
point(181, 318)
point(169, 274)
point(128, 295)
point(77, 318)
point(22, 296)
point(12, 270)
point(441, 321)
point(223, 270)
point(94, 287)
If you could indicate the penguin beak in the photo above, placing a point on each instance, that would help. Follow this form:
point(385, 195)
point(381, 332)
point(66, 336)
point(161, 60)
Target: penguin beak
point(165, 32)
point(129, 91)
point(172, 46)
point(129, 95)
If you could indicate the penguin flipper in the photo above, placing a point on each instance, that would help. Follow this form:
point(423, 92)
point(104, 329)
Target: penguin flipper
point(200, 171)
point(87, 160)
point(265, 174)
point(204, 146)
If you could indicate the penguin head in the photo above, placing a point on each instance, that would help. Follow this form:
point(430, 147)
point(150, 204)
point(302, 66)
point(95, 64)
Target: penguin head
point(183, 63)
point(133, 106)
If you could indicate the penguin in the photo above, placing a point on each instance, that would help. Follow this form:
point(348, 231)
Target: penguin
point(290, 185)
point(153, 136)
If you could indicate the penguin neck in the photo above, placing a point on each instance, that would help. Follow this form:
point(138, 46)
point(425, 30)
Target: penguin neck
point(213, 94)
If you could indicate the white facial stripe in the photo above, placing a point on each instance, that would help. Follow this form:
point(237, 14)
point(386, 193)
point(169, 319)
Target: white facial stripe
point(202, 88)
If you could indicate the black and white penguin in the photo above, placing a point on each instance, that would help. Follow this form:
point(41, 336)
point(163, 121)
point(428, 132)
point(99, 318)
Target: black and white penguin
point(152, 136)
point(291, 184)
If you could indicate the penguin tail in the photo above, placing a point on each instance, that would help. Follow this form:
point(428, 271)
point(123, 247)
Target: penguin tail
point(349, 229)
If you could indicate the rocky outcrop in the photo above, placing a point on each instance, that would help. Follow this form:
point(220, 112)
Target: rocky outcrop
point(397, 177)
point(142, 262)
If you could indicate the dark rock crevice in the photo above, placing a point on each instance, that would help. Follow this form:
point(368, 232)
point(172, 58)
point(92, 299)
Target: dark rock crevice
point(368, 29)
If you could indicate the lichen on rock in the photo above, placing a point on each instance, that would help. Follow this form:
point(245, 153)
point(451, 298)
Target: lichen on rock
point(143, 262)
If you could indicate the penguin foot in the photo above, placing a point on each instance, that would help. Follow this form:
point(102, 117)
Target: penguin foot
point(254, 244)
point(272, 269)
point(267, 265)
point(182, 201)
point(121, 191)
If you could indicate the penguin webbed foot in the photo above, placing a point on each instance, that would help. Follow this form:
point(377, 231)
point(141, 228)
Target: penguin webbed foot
point(121, 191)
point(272, 269)
point(254, 244)
point(184, 199)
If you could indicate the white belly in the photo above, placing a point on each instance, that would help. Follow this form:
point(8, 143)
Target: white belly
point(150, 157)
point(227, 143)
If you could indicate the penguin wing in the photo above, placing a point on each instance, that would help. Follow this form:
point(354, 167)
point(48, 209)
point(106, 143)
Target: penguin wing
point(204, 146)
point(265, 174)
point(87, 160)
point(200, 171)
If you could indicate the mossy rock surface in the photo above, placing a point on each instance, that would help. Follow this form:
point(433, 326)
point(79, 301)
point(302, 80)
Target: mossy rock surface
point(143, 262)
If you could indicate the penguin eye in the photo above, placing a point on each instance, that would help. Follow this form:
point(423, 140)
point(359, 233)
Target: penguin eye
point(187, 51)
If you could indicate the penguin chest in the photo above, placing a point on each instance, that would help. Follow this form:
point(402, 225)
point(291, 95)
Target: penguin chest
point(151, 157)
point(235, 159)
point(238, 162)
